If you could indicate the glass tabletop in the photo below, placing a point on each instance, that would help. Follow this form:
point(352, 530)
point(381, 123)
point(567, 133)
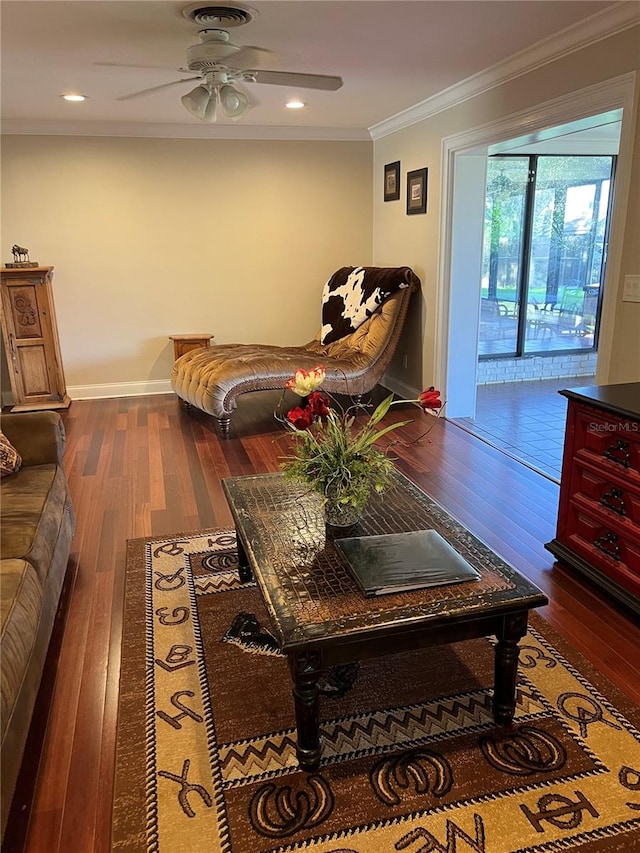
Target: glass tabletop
point(306, 583)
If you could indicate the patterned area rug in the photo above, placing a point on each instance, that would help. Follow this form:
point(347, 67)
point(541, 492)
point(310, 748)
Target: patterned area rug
point(412, 761)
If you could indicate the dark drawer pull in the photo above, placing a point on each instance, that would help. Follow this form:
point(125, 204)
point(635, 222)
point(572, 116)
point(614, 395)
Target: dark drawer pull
point(607, 544)
point(613, 500)
point(619, 452)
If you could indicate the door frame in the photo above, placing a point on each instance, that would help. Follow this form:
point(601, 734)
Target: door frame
point(617, 93)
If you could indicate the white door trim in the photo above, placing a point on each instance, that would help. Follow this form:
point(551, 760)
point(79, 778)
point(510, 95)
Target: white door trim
point(618, 92)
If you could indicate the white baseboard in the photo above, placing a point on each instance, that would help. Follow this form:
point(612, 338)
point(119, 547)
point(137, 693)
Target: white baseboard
point(163, 386)
point(406, 392)
point(120, 389)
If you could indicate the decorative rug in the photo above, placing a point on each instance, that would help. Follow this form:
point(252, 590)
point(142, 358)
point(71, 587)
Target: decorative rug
point(412, 760)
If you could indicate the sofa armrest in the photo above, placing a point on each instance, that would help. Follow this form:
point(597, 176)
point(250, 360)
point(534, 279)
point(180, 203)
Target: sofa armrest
point(39, 437)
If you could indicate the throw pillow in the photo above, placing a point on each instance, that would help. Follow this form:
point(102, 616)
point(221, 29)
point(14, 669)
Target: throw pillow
point(352, 294)
point(10, 459)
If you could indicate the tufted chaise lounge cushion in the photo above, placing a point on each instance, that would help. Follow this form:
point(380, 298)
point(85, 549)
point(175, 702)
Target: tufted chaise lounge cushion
point(211, 379)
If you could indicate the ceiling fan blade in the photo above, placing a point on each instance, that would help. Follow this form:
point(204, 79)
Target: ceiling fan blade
point(248, 54)
point(291, 78)
point(128, 65)
point(156, 88)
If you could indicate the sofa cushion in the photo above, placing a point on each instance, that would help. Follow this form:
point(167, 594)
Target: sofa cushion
point(10, 459)
point(21, 602)
point(28, 532)
point(353, 294)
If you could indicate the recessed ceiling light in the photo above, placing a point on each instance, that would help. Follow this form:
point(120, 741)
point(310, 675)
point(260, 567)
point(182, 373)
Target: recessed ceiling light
point(295, 105)
point(74, 97)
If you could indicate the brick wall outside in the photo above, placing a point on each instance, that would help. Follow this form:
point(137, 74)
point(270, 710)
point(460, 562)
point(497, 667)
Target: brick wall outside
point(536, 367)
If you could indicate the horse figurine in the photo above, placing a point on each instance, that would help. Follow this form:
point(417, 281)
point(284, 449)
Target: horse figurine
point(20, 255)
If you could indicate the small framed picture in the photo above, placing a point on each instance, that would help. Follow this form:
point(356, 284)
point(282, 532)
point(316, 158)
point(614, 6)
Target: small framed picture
point(392, 181)
point(417, 191)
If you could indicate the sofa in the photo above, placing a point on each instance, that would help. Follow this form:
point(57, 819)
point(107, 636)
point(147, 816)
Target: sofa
point(36, 529)
point(363, 311)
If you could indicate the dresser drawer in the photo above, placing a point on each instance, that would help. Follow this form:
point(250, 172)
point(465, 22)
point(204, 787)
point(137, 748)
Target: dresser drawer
point(609, 441)
point(609, 499)
point(598, 531)
point(604, 546)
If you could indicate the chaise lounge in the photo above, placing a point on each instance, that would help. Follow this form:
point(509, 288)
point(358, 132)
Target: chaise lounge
point(363, 312)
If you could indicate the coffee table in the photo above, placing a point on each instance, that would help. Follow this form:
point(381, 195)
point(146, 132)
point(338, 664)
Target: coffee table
point(321, 619)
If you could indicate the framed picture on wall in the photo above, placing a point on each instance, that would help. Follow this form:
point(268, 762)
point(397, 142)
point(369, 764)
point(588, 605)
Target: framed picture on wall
point(392, 181)
point(417, 191)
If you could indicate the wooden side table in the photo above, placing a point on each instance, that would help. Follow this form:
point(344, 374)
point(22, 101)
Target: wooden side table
point(186, 343)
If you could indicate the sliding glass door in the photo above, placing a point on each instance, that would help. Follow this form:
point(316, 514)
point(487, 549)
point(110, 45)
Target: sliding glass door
point(544, 251)
point(502, 254)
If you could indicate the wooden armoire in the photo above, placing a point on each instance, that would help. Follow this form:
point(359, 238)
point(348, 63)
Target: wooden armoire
point(30, 335)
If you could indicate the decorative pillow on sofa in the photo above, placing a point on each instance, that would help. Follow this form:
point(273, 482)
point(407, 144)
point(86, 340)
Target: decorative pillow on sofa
point(352, 294)
point(10, 460)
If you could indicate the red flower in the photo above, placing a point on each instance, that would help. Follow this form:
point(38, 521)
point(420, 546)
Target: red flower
point(300, 418)
point(318, 404)
point(430, 399)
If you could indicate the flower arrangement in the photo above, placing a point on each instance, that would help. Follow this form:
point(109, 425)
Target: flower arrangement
point(336, 456)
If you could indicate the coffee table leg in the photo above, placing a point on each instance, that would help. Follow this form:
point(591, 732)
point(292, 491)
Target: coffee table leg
point(305, 671)
point(244, 569)
point(514, 627)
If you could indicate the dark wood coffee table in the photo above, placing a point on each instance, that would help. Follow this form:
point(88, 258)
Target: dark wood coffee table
point(319, 616)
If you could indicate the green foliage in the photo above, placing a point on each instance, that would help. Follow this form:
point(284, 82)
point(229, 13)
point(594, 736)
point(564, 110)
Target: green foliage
point(339, 460)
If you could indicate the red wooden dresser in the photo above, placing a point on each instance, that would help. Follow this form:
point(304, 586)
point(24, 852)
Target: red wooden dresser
point(598, 530)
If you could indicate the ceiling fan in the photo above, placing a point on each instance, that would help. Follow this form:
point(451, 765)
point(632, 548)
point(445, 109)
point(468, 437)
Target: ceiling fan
point(220, 65)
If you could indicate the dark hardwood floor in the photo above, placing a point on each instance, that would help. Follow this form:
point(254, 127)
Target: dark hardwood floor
point(144, 466)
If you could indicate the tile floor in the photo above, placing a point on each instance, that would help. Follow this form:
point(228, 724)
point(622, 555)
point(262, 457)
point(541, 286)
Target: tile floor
point(526, 420)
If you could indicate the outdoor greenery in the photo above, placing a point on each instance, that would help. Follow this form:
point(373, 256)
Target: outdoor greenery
point(543, 243)
point(567, 229)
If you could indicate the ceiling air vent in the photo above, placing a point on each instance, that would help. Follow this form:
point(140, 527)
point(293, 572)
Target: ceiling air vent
point(219, 16)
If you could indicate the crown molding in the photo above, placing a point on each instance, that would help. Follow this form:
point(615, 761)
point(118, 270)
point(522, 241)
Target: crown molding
point(603, 97)
point(183, 131)
point(602, 25)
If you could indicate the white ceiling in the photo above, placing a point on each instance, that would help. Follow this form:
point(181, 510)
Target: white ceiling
point(391, 54)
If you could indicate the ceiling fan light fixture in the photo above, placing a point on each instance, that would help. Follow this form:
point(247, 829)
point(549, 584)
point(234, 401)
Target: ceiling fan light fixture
point(295, 105)
point(74, 97)
point(197, 100)
point(234, 103)
point(211, 110)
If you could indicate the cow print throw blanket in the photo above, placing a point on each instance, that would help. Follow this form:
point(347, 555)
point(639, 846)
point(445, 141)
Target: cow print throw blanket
point(352, 294)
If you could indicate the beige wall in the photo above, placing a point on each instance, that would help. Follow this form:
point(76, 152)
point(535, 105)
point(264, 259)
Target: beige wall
point(415, 239)
point(626, 340)
point(151, 237)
